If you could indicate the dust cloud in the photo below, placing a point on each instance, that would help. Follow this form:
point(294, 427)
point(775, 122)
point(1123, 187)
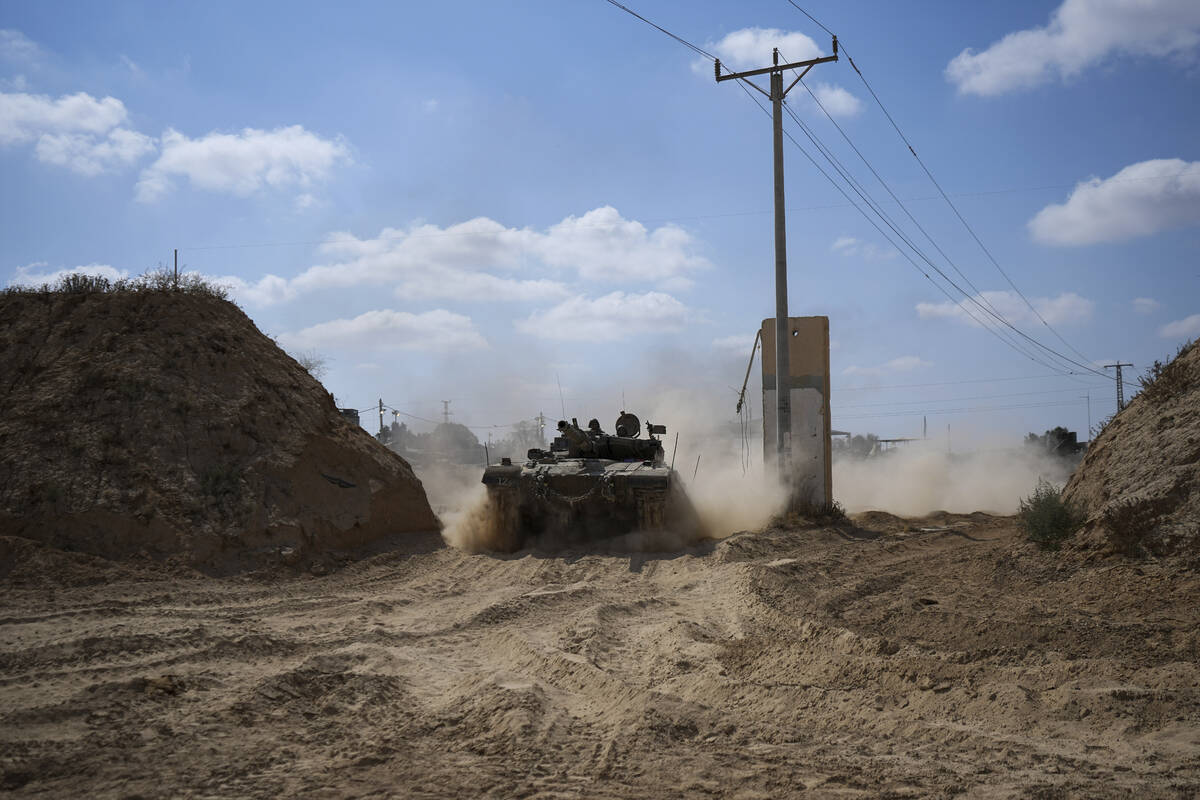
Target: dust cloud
point(918, 478)
point(719, 462)
point(719, 459)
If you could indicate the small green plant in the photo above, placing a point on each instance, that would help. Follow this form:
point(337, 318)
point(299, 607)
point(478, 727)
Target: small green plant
point(1047, 518)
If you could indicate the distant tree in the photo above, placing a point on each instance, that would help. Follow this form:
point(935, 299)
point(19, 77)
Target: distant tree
point(862, 446)
point(313, 362)
point(455, 442)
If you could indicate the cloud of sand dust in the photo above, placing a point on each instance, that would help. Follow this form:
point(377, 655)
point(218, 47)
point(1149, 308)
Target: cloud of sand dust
point(730, 494)
point(918, 478)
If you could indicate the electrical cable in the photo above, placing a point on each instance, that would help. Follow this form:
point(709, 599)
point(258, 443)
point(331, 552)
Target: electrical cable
point(932, 412)
point(945, 196)
point(960, 399)
point(873, 205)
point(943, 383)
point(982, 322)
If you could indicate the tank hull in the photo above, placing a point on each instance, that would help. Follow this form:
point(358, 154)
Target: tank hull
point(579, 501)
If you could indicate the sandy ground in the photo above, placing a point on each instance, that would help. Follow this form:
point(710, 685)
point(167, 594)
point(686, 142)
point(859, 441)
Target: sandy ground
point(936, 657)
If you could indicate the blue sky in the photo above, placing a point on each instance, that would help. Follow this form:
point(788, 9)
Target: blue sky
point(483, 201)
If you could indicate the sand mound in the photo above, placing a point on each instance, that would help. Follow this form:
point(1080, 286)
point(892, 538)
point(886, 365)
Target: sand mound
point(164, 425)
point(1138, 480)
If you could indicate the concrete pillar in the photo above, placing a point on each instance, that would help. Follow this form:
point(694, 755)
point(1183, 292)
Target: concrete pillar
point(810, 443)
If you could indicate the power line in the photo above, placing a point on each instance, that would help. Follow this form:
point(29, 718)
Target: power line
point(950, 202)
point(961, 399)
point(995, 332)
point(679, 39)
point(811, 17)
point(965, 410)
point(945, 383)
point(873, 205)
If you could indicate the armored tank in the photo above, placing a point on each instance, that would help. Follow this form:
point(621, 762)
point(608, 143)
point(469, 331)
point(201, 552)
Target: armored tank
point(590, 485)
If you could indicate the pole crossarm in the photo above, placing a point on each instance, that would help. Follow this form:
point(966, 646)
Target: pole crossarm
point(778, 68)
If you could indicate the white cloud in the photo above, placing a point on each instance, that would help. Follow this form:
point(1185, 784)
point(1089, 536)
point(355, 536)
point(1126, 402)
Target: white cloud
point(1140, 200)
point(25, 117)
point(603, 246)
point(900, 364)
point(468, 286)
point(836, 100)
point(1080, 34)
point(1146, 305)
point(609, 318)
point(1067, 308)
point(750, 48)
point(850, 247)
point(90, 156)
point(461, 261)
point(266, 291)
point(36, 274)
point(75, 131)
point(242, 163)
point(1186, 328)
point(431, 262)
point(16, 46)
point(437, 331)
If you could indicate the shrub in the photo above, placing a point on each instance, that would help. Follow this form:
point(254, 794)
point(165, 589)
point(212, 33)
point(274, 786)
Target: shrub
point(1047, 518)
point(1163, 381)
point(153, 281)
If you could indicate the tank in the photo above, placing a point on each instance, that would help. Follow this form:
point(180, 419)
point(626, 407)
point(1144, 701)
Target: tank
point(590, 486)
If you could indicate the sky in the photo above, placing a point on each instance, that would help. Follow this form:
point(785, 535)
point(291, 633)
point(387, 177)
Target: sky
point(548, 205)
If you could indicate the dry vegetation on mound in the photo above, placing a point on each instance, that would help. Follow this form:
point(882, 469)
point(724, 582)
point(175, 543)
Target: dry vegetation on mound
point(154, 421)
point(1140, 480)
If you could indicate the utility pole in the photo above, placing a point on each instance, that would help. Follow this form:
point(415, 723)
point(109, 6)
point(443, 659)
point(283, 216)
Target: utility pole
point(783, 394)
point(1120, 385)
point(381, 417)
point(541, 420)
point(445, 412)
point(176, 267)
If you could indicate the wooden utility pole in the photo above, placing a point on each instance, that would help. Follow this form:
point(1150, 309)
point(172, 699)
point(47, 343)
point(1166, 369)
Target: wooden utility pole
point(176, 267)
point(783, 395)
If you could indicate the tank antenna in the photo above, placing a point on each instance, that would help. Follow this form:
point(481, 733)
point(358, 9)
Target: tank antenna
point(562, 402)
point(674, 448)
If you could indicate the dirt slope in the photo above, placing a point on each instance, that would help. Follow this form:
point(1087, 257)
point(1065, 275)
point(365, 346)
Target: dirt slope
point(165, 425)
point(934, 658)
point(1140, 480)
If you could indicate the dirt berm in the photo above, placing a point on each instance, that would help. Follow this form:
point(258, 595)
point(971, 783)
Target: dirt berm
point(1139, 482)
point(165, 425)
